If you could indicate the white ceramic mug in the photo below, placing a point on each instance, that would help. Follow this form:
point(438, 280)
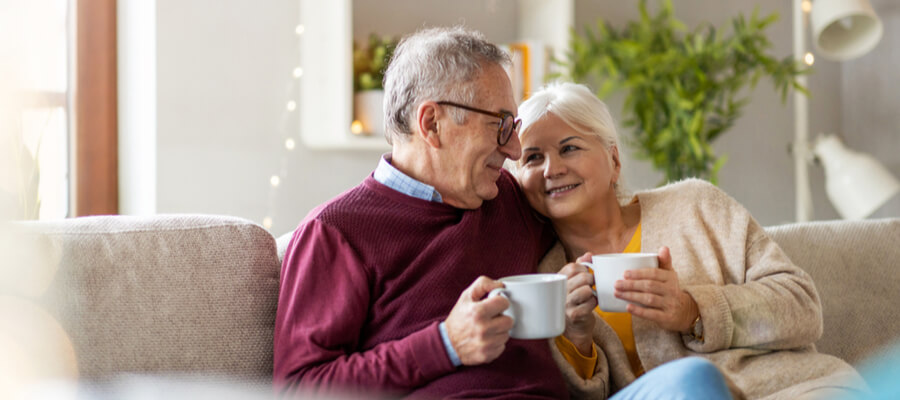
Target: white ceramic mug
point(537, 304)
point(609, 268)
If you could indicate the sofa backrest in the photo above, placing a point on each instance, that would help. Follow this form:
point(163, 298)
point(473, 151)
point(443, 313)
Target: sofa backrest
point(855, 267)
point(197, 294)
point(166, 294)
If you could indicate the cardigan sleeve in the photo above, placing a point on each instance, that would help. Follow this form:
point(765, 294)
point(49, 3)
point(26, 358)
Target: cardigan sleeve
point(767, 302)
point(322, 307)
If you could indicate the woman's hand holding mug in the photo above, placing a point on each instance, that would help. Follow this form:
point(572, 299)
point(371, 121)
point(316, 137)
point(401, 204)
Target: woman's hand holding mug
point(655, 295)
point(580, 304)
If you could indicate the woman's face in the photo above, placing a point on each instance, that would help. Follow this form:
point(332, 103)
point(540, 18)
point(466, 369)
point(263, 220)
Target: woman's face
point(563, 172)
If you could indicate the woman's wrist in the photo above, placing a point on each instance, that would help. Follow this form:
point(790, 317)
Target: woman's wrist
point(691, 314)
point(584, 343)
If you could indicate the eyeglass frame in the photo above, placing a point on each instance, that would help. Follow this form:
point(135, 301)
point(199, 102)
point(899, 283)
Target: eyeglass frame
point(503, 115)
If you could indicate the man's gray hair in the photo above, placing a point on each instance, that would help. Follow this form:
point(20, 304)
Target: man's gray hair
point(438, 64)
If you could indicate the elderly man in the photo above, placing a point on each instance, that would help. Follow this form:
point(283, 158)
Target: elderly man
point(384, 287)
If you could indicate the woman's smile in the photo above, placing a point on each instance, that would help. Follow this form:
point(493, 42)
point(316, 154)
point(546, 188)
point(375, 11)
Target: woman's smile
point(560, 191)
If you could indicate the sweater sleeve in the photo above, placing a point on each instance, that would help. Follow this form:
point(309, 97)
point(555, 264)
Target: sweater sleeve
point(595, 387)
point(322, 307)
point(767, 302)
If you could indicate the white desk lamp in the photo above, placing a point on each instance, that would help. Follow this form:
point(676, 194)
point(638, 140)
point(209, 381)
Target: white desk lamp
point(856, 183)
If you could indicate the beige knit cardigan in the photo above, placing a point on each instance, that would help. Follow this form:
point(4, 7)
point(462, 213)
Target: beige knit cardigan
point(761, 313)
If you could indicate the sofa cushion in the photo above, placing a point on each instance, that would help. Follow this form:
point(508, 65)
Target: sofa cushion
point(854, 265)
point(162, 294)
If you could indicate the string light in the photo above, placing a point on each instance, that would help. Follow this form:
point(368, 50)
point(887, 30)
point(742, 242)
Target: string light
point(286, 132)
point(806, 6)
point(809, 59)
point(356, 127)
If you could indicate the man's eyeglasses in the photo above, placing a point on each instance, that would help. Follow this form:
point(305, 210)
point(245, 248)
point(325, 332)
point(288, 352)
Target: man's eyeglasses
point(508, 124)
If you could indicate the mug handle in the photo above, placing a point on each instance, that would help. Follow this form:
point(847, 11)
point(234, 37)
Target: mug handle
point(498, 292)
point(503, 292)
point(591, 268)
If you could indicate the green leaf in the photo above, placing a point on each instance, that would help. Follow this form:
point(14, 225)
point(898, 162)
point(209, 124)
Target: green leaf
point(680, 84)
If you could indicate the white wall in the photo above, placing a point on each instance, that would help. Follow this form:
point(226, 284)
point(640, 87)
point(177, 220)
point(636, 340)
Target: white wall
point(136, 43)
point(224, 73)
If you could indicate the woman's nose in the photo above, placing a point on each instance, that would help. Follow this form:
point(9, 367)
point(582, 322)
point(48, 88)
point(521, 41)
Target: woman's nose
point(553, 167)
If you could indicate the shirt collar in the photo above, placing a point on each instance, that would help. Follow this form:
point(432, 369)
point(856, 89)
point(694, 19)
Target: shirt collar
point(393, 178)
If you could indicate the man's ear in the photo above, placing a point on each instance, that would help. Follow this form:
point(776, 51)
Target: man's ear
point(428, 123)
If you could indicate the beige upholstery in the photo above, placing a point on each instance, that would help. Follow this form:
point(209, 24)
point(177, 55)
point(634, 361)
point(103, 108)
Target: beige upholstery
point(163, 294)
point(855, 267)
point(191, 293)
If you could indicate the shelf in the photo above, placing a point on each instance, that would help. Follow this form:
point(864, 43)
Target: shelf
point(326, 89)
point(348, 141)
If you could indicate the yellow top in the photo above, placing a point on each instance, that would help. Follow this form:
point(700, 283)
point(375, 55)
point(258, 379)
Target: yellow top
point(619, 322)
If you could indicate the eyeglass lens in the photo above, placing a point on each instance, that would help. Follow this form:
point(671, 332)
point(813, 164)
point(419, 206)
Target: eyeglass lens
point(507, 128)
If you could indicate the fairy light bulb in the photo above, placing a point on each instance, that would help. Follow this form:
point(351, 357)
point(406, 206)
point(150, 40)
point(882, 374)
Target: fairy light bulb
point(298, 72)
point(356, 127)
point(809, 58)
point(299, 29)
point(275, 180)
point(291, 105)
point(806, 6)
point(267, 222)
point(289, 144)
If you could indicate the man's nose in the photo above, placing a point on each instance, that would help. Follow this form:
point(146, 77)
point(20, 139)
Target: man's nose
point(513, 148)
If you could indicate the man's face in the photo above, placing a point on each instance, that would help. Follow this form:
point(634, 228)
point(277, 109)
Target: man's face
point(471, 159)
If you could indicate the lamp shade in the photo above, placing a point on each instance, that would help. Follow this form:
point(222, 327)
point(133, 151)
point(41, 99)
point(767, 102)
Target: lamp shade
point(856, 183)
point(844, 29)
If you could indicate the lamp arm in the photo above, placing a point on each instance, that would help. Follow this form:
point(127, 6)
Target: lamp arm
point(803, 194)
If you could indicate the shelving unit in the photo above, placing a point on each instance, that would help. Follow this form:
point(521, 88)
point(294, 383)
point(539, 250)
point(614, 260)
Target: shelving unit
point(326, 90)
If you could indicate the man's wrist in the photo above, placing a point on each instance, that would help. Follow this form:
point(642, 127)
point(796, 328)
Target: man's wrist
point(451, 352)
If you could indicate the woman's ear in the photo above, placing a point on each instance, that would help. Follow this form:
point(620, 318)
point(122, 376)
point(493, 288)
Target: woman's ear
point(616, 164)
point(428, 123)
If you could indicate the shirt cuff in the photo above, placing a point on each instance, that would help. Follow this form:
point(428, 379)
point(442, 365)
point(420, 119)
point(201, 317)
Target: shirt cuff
point(583, 365)
point(451, 352)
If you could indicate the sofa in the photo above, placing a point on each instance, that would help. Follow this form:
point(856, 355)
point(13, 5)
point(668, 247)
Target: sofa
point(197, 294)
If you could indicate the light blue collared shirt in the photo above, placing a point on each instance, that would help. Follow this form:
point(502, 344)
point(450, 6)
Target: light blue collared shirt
point(391, 177)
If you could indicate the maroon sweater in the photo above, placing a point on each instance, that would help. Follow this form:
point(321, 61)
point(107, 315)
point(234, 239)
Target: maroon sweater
point(369, 275)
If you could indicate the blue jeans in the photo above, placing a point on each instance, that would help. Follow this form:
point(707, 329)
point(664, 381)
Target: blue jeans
point(883, 375)
point(686, 378)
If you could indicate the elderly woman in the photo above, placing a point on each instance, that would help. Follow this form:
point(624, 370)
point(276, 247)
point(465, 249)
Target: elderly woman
point(724, 290)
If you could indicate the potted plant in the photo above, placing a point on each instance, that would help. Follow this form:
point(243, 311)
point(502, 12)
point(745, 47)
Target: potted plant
point(683, 87)
point(369, 63)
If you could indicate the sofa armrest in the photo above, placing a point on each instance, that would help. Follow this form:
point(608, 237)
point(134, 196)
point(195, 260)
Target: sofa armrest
point(159, 295)
point(855, 267)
